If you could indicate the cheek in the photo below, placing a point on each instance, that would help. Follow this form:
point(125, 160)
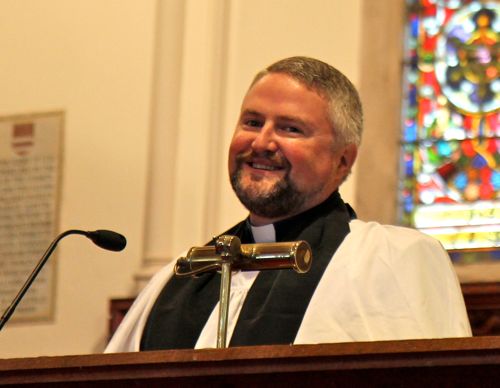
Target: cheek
point(302, 165)
point(239, 143)
point(310, 166)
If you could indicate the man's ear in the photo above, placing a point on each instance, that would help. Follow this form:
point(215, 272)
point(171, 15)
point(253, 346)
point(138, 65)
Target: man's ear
point(348, 156)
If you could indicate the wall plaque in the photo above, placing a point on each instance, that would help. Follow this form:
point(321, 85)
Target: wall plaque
point(30, 164)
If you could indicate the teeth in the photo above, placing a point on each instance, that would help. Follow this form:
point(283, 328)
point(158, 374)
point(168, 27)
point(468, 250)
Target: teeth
point(263, 167)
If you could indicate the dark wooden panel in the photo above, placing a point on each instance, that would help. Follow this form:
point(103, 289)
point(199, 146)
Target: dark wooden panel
point(481, 299)
point(464, 362)
point(483, 306)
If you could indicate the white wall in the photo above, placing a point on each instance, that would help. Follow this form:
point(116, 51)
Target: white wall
point(93, 60)
point(151, 91)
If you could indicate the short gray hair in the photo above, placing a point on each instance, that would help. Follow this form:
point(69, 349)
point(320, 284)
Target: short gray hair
point(346, 112)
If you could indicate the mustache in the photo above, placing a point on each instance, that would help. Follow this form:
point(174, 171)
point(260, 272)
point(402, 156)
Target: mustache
point(273, 157)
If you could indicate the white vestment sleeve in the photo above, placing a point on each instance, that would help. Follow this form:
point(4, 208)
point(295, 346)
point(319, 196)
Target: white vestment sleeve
point(431, 288)
point(127, 337)
point(385, 283)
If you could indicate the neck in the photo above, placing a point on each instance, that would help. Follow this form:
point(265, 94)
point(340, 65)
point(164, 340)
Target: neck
point(258, 220)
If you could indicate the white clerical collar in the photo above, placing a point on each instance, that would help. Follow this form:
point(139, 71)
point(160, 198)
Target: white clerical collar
point(264, 234)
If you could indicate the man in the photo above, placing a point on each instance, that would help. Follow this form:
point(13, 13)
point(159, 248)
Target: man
point(294, 144)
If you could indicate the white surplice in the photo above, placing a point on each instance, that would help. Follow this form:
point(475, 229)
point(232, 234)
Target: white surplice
point(383, 283)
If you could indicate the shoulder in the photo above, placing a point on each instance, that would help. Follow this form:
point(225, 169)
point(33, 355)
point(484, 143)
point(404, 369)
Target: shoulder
point(401, 283)
point(390, 236)
point(372, 228)
point(392, 245)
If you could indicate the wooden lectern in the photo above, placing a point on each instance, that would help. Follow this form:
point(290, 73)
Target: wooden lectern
point(463, 362)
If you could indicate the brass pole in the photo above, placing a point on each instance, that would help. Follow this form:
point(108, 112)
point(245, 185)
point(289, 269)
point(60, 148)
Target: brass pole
point(225, 286)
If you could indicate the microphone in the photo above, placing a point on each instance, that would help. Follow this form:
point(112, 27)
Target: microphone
point(106, 239)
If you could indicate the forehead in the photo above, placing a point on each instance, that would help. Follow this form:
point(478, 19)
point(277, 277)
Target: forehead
point(281, 91)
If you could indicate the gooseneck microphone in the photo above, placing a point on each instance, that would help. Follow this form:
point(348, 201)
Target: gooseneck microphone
point(106, 239)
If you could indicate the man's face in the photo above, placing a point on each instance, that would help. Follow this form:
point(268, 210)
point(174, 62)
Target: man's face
point(283, 158)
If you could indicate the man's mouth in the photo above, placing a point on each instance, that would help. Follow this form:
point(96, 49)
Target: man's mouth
point(261, 162)
point(267, 167)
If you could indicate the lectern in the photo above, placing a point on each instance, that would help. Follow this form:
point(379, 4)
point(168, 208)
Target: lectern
point(465, 362)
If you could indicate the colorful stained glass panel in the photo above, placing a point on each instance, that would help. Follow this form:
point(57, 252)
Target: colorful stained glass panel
point(450, 137)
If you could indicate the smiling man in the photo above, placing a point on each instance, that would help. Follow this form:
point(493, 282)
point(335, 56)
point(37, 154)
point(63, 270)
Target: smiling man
point(285, 156)
point(294, 144)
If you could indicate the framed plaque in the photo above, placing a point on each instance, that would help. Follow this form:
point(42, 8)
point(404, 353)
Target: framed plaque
point(30, 170)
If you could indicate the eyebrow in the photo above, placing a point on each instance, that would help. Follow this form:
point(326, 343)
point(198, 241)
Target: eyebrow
point(278, 118)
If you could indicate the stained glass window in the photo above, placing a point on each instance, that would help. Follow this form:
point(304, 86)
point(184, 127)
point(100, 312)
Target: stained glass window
point(450, 176)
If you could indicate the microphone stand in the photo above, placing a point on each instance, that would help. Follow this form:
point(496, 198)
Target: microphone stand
point(10, 310)
point(105, 239)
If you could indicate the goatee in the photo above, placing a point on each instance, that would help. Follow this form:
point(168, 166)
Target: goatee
point(282, 199)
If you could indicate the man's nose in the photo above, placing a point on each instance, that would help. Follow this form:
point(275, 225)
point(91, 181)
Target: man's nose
point(265, 139)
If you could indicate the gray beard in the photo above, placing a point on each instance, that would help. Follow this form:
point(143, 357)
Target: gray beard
point(282, 200)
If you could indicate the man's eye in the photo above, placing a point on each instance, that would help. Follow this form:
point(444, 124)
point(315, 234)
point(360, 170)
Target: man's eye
point(291, 129)
point(253, 123)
